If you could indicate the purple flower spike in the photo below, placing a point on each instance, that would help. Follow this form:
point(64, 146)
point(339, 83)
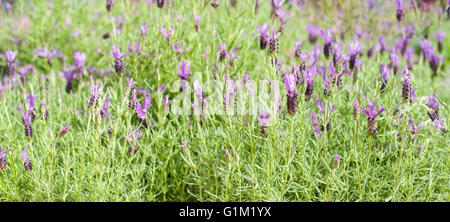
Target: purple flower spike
point(10, 57)
point(309, 84)
point(26, 160)
point(69, 75)
point(440, 126)
point(64, 131)
point(434, 105)
point(440, 36)
point(326, 35)
point(3, 161)
point(356, 109)
point(26, 118)
point(434, 62)
point(385, 76)
point(292, 95)
point(232, 56)
point(264, 36)
point(355, 49)
point(141, 111)
point(95, 92)
point(119, 64)
point(337, 160)
point(298, 49)
point(144, 30)
point(80, 59)
point(394, 62)
point(415, 129)
point(197, 23)
point(406, 89)
point(315, 122)
point(133, 140)
point(168, 35)
point(104, 111)
point(167, 103)
point(179, 47)
point(400, 10)
point(264, 122)
point(372, 112)
point(223, 52)
point(313, 32)
point(273, 41)
point(184, 70)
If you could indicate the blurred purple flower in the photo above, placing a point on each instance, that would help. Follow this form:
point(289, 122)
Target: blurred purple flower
point(326, 36)
point(313, 32)
point(95, 92)
point(64, 131)
point(3, 161)
point(144, 30)
point(415, 129)
point(104, 111)
point(168, 35)
point(141, 111)
point(26, 160)
point(263, 36)
point(119, 64)
point(179, 47)
point(440, 36)
point(10, 57)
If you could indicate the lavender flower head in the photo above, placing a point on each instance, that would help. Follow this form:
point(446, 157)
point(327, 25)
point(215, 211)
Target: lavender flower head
point(264, 38)
point(179, 47)
point(406, 89)
point(440, 36)
point(385, 76)
point(337, 160)
point(64, 131)
point(69, 75)
point(313, 32)
point(284, 17)
point(144, 30)
point(326, 36)
point(356, 108)
point(109, 5)
point(298, 49)
point(400, 10)
point(119, 64)
point(197, 23)
point(264, 122)
point(10, 57)
point(104, 111)
point(223, 52)
point(372, 112)
point(26, 118)
point(232, 56)
point(168, 35)
point(3, 161)
point(141, 111)
point(80, 59)
point(292, 95)
point(273, 42)
point(394, 62)
point(95, 92)
point(184, 70)
point(167, 103)
point(415, 129)
point(434, 61)
point(355, 49)
point(133, 140)
point(434, 105)
point(26, 160)
point(309, 83)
